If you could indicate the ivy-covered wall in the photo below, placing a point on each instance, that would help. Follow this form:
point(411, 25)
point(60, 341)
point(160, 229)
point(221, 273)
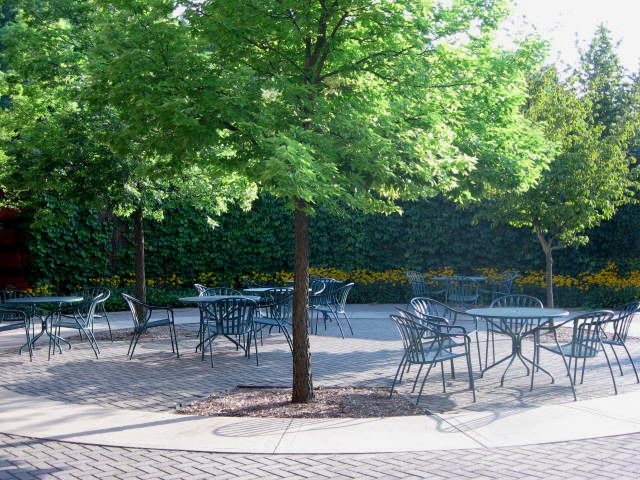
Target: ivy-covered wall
point(85, 244)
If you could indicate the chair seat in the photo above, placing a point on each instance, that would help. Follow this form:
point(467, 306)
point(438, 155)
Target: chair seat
point(568, 350)
point(325, 309)
point(447, 343)
point(11, 325)
point(69, 323)
point(156, 323)
point(272, 322)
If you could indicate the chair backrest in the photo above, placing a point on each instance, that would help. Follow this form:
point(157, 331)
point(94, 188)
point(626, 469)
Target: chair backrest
point(92, 292)
point(86, 309)
point(316, 285)
point(220, 291)
point(587, 328)
point(200, 289)
point(328, 295)
point(12, 293)
point(140, 313)
point(12, 318)
point(462, 292)
point(622, 320)
point(280, 304)
point(424, 306)
point(505, 284)
point(418, 283)
point(341, 295)
point(232, 316)
point(414, 331)
point(517, 301)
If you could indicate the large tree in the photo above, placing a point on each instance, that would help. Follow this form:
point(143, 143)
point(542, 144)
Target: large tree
point(59, 144)
point(324, 102)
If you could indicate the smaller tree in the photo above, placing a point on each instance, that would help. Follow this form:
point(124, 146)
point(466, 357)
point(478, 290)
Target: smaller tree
point(588, 178)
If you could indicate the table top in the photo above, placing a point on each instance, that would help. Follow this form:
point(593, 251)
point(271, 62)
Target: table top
point(518, 312)
point(31, 300)
point(215, 298)
point(264, 289)
point(476, 278)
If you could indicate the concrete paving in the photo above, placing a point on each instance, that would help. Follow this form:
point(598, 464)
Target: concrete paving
point(119, 409)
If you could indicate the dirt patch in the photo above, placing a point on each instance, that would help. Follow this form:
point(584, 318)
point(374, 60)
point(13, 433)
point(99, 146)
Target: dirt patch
point(329, 402)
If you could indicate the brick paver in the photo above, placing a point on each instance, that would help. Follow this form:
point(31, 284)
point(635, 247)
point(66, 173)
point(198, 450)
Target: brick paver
point(612, 457)
point(156, 380)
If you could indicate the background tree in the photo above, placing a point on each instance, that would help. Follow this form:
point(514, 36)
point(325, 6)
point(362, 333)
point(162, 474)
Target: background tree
point(587, 180)
point(59, 144)
point(329, 102)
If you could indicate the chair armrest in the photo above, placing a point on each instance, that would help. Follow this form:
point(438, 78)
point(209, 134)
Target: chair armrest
point(454, 330)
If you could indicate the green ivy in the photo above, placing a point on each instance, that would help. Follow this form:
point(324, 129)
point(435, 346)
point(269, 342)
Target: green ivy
point(82, 244)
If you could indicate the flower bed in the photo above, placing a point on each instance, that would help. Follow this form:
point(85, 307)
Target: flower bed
point(603, 288)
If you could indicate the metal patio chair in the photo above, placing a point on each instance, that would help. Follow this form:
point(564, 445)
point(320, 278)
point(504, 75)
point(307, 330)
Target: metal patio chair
point(462, 292)
point(500, 287)
point(430, 307)
point(278, 310)
point(91, 292)
point(78, 317)
point(200, 288)
point(232, 318)
point(334, 308)
point(517, 300)
point(420, 287)
point(16, 319)
point(142, 314)
point(429, 341)
point(585, 343)
point(617, 337)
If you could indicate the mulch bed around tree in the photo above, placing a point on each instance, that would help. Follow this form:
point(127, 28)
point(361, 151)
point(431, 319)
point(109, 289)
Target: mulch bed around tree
point(329, 402)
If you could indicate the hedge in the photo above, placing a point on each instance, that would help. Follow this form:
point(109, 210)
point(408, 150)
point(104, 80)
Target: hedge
point(86, 245)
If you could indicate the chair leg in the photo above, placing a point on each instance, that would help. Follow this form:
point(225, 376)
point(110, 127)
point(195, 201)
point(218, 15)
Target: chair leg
point(472, 384)
point(444, 383)
point(617, 359)
point(255, 342)
point(632, 363)
point(402, 361)
point(424, 380)
point(415, 382)
point(613, 378)
point(175, 337)
point(92, 341)
point(346, 317)
point(584, 363)
point(478, 345)
point(134, 342)
point(106, 317)
point(453, 370)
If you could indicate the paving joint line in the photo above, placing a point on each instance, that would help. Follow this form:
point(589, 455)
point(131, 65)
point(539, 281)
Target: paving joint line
point(275, 449)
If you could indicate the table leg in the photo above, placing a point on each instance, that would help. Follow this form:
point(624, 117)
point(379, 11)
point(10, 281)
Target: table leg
point(496, 364)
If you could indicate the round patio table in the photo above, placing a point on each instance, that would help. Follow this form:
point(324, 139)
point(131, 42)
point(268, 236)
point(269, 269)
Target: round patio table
point(516, 323)
point(56, 301)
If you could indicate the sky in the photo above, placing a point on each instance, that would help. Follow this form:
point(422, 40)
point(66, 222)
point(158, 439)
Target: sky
point(563, 22)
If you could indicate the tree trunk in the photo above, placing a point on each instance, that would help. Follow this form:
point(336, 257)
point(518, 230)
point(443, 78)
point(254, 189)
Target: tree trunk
point(141, 280)
point(548, 276)
point(302, 379)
